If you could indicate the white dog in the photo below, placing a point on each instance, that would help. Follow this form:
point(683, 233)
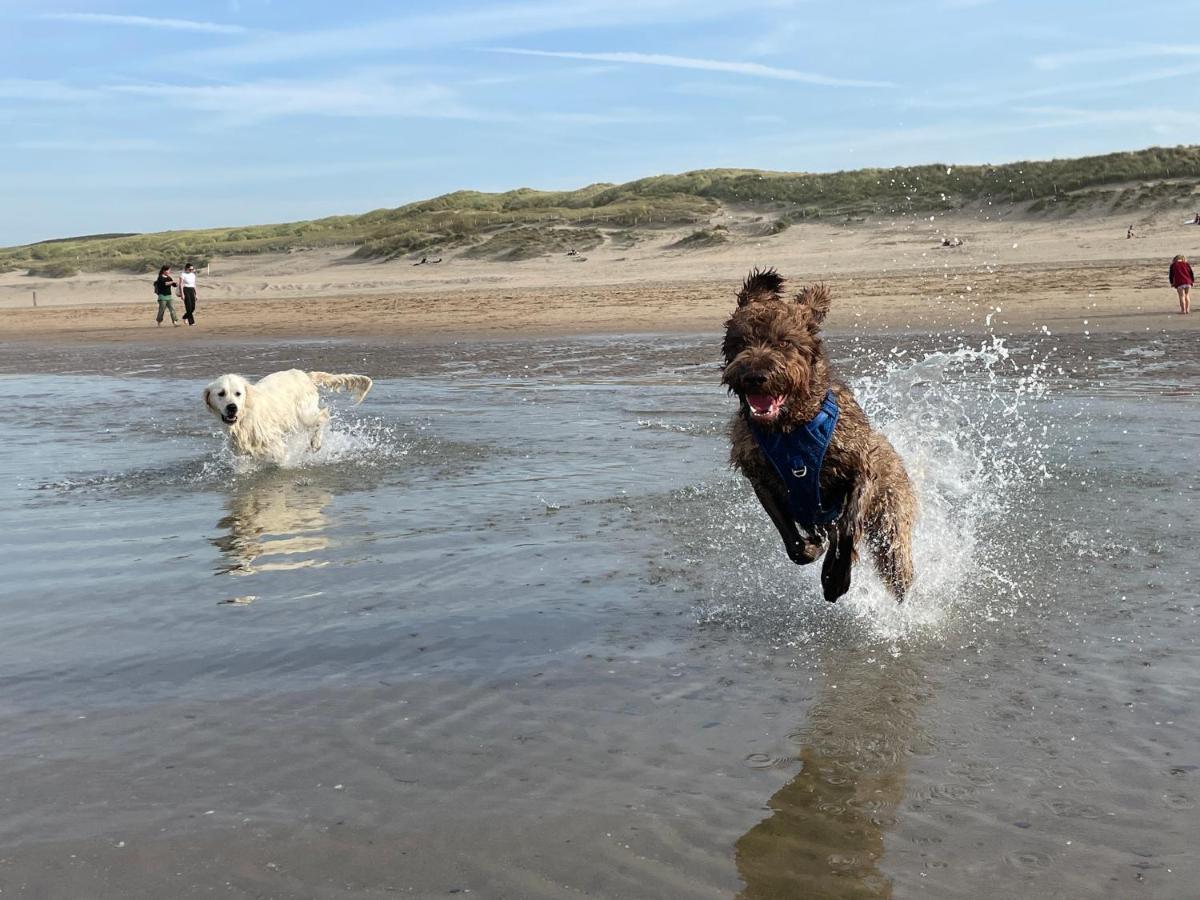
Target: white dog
point(260, 417)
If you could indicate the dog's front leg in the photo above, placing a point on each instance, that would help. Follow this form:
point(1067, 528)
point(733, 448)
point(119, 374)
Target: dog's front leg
point(800, 548)
point(835, 573)
point(316, 429)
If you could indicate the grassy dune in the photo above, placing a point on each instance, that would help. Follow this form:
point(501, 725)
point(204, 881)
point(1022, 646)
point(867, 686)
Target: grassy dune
point(529, 241)
point(704, 237)
point(523, 223)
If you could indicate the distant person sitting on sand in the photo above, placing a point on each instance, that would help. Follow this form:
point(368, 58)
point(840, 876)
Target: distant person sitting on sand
point(162, 290)
point(1196, 219)
point(572, 252)
point(187, 290)
point(422, 262)
point(1182, 278)
point(1129, 233)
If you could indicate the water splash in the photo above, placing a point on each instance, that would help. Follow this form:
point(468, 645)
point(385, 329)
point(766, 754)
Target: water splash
point(362, 442)
point(967, 424)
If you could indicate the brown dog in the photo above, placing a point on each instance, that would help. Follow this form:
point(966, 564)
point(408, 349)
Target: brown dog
point(823, 475)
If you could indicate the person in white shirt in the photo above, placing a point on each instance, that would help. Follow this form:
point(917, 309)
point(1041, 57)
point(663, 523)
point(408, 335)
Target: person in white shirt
point(187, 290)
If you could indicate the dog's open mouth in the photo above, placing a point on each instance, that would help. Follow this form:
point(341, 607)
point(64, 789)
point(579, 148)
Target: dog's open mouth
point(229, 418)
point(765, 407)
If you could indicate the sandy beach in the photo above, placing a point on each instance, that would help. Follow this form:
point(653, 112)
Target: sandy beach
point(518, 631)
point(1008, 276)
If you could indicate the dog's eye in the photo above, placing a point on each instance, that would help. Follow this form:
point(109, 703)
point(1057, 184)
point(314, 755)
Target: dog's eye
point(238, 394)
point(221, 394)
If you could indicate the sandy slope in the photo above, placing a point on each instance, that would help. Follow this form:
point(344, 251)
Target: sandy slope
point(887, 274)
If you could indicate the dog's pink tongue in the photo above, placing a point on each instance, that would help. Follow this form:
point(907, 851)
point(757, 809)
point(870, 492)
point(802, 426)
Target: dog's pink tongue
point(760, 403)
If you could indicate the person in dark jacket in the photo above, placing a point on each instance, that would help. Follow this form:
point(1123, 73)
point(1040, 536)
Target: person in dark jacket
point(1182, 278)
point(187, 290)
point(162, 290)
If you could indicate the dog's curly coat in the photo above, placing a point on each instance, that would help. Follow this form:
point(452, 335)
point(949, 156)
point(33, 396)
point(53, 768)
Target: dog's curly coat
point(775, 364)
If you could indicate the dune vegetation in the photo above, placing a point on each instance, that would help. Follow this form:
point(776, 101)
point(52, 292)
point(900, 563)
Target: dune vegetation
point(524, 223)
point(529, 241)
point(703, 237)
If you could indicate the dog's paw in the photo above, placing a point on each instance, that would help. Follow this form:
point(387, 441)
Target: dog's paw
point(835, 574)
point(804, 553)
point(835, 589)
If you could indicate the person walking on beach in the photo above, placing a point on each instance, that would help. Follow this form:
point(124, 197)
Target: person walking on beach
point(187, 290)
point(162, 290)
point(1182, 278)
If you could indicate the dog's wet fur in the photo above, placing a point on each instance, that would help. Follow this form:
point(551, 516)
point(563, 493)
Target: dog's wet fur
point(776, 365)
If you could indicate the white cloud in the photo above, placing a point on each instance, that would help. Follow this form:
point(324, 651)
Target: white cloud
point(376, 93)
point(224, 176)
point(1068, 115)
point(936, 138)
point(1050, 61)
point(41, 91)
point(753, 70)
point(350, 97)
point(99, 145)
point(967, 100)
point(146, 22)
point(610, 117)
point(484, 23)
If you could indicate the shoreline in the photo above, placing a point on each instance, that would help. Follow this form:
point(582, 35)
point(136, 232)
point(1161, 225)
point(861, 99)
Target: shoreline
point(548, 313)
point(1009, 277)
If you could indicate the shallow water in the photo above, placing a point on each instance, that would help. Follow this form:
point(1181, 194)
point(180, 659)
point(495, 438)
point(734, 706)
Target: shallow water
point(518, 630)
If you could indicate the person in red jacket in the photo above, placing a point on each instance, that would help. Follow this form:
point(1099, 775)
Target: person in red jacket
point(1182, 278)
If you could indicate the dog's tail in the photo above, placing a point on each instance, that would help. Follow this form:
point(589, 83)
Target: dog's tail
point(361, 384)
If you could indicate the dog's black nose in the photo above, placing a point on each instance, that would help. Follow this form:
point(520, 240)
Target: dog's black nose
point(230, 407)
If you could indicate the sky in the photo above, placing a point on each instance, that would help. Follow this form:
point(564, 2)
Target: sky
point(125, 115)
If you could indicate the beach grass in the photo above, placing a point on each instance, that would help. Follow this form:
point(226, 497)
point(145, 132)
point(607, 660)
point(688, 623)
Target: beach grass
point(530, 241)
point(57, 269)
point(702, 238)
point(525, 221)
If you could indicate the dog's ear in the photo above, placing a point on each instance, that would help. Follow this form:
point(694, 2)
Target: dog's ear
point(760, 284)
point(816, 298)
point(207, 395)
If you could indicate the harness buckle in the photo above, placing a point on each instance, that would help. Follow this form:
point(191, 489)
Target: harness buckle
point(800, 472)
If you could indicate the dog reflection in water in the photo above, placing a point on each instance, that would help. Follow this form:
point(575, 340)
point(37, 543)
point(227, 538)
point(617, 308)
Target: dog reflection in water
point(275, 523)
point(825, 834)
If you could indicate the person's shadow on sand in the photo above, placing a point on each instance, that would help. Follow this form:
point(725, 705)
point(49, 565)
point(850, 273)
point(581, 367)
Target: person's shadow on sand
point(824, 837)
point(275, 521)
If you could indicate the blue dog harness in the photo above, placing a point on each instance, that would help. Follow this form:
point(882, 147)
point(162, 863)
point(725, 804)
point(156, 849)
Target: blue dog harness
point(797, 457)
